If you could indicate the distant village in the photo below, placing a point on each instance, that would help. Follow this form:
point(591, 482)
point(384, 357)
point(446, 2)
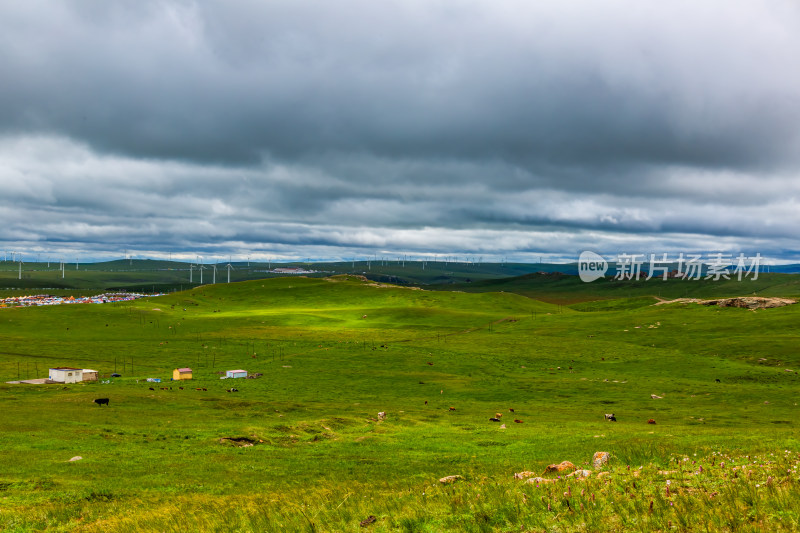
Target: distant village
point(290, 270)
point(44, 299)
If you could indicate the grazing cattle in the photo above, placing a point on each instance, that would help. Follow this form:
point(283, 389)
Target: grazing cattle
point(510, 409)
point(233, 390)
point(151, 388)
point(430, 363)
point(101, 401)
point(651, 421)
point(198, 388)
point(181, 388)
point(426, 402)
point(204, 389)
point(493, 419)
point(611, 417)
point(452, 408)
point(498, 415)
point(717, 380)
point(518, 421)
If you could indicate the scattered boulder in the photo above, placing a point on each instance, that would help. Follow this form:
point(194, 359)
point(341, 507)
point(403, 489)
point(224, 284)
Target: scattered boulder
point(370, 519)
point(600, 459)
point(524, 474)
point(502, 426)
point(563, 466)
point(656, 397)
point(240, 442)
point(539, 480)
point(76, 458)
point(450, 479)
point(750, 302)
point(581, 474)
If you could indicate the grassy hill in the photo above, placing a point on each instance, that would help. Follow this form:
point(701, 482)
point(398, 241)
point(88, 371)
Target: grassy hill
point(302, 448)
point(168, 276)
point(566, 289)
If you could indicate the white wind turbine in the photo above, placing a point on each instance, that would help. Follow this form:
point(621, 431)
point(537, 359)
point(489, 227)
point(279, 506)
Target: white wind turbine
point(229, 267)
point(20, 266)
point(215, 274)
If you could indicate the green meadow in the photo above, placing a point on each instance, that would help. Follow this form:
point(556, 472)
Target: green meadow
point(302, 448)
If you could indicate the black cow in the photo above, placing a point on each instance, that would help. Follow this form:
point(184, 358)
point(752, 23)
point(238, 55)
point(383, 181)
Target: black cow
point(101, 401)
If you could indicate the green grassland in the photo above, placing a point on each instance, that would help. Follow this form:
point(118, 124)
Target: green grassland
point(334, 352)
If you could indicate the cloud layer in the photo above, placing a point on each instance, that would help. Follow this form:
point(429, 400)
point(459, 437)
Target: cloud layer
point(318, 129)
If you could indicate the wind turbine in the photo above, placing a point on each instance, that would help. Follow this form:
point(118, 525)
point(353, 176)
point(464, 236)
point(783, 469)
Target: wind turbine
point(230, 267)
point(191, 269)
point(215, 274)
point(200, 267)
point(20, 266)
point(62, 268)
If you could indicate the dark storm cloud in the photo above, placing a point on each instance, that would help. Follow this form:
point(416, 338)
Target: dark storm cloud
point(415, 126)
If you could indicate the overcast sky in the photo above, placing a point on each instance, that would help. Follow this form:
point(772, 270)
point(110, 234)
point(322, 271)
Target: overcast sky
point(519, 129)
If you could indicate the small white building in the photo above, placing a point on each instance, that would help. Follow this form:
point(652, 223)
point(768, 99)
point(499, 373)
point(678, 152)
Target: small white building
point(236, 374)
point(89, 374)
point(65, 374)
